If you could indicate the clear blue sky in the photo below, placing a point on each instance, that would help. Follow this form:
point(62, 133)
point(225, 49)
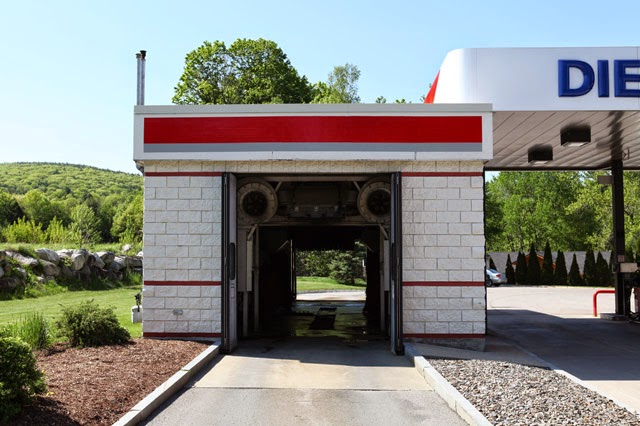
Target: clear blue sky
point(68, 69)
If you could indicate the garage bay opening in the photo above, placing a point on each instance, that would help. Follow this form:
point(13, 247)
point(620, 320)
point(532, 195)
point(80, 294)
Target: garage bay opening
point(292, 229)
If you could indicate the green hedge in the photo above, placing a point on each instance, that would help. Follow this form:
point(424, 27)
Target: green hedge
point(20, 379)
point(88, 324)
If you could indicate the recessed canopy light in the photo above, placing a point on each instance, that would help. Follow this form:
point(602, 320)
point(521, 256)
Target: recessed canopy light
point(539, 156)
point(575, 136)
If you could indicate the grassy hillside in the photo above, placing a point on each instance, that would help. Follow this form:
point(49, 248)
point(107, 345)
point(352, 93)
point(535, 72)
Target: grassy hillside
point(66, 181)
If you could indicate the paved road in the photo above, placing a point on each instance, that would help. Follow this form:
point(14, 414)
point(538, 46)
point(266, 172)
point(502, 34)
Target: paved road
point(309, 381)
point(557, 325)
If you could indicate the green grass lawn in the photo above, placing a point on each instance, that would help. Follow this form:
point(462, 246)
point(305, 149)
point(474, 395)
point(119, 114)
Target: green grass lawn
point(121, 299)
point(325, 284)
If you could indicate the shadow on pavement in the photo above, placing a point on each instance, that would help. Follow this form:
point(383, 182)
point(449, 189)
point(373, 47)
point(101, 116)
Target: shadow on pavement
point(588, 348)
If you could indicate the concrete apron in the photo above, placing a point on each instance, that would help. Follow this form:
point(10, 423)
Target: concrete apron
point(310, 381)
point(315, 364)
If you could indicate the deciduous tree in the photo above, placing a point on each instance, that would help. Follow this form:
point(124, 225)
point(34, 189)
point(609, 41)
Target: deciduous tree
point(127, 224)
point(83, 228)
point(37, 207)
point(341, 86)
point(246, 72)
point(10, 211)
point(526, 208)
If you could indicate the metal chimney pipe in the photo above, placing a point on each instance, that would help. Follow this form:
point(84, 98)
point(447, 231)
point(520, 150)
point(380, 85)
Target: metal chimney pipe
point(141, 75)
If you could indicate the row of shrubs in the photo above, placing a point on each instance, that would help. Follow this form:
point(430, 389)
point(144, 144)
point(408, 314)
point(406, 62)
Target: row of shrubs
point(596, 271)
point(83, 325)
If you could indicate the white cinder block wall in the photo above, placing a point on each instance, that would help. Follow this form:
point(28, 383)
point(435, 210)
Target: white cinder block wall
point(182, 250)
point(443, 245)
point(443, 255)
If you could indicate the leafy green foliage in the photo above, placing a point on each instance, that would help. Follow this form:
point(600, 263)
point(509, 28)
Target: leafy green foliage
point(575, 279)
point(62, 182)
point(570, 210)
point(127, 224)
point(32, 329)
point(526, 208)
point(88, 324)
point(560, 273)
point(341, 86)
point(24, 231)
point(10, 210)
point(37, 207)
point(49, 192)
point(344, 266)
point(20, 379)
point(56, 232)
point(546, 274)
point(314, 263)
point(83, 229)
point(246, 72)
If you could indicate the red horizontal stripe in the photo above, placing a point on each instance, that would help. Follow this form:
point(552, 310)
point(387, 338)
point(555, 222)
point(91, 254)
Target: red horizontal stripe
point(442, 336)
point(443, 283)
point(441, 174)
point(180, 335)
point(153, 174)
point(316, 129)
point(184, 283)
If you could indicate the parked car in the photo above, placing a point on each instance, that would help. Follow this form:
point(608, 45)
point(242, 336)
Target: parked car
point(494, 278)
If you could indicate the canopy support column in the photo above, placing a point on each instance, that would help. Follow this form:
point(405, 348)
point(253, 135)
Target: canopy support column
point(617, 191)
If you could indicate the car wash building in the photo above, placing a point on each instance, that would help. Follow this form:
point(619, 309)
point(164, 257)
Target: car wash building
point(233, 192)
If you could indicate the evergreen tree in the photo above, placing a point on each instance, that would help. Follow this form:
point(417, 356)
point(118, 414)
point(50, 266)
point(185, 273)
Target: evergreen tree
point(521, 269)
point(574, 273)
point(575, 279)
point(533, 267)
point(492, 265)
point(546, 274)
point(509, 271)
point(589, 269)
point(560, 274)
point(604, 276)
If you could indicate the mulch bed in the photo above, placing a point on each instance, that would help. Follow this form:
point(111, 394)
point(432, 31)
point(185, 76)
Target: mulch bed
point(97, 386)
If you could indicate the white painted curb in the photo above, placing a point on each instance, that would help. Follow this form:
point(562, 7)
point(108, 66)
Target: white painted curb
point(456, 401)
point(166, 390)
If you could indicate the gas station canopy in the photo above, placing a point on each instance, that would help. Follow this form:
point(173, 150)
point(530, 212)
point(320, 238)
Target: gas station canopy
point(554, 108)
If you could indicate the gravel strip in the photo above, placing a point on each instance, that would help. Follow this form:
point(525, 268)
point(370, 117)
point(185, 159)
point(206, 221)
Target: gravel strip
point(513, 394)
